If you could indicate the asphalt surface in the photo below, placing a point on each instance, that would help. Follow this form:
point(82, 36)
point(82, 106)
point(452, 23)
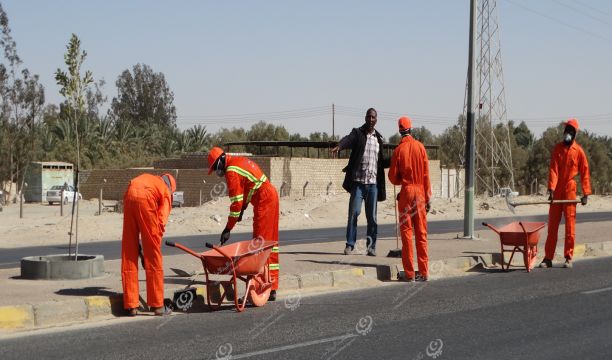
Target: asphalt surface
point(546, 314)
point(10, 258)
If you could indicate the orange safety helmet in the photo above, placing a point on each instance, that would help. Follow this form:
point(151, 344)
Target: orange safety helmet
point(170, 182)
point(404, 123)
point(213, 155)
point(573, 123)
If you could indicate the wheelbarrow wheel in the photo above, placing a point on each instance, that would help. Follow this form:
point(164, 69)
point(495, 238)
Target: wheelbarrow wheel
point(260, 290)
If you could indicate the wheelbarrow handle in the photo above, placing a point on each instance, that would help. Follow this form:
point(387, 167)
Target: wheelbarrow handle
point(490, 227)
point(170, 243)
point(209, 245)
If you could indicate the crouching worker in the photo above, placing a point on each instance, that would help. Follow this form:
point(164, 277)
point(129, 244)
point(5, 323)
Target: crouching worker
point(410, 169)
point(146, 206)
point(246, 183)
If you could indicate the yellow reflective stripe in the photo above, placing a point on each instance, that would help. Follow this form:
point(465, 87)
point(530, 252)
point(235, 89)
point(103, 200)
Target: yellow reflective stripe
point(234, 213)
point(237, 198)
point(242, 172)
point(274, 267)
point(275, 249)
point(250, 195)
point(251, 177)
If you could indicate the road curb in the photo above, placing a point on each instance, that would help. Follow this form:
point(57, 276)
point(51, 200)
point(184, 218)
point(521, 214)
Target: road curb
point(44, 314)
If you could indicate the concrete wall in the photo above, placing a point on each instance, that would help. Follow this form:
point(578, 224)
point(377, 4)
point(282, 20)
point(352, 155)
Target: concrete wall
point(288, 175)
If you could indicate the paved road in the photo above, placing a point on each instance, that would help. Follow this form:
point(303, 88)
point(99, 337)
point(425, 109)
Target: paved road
point(9, 258)
point(547, 314)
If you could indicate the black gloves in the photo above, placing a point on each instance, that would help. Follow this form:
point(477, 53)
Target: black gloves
point(550, 195)
point(427, 207)
point(584, 199)
point(240, 217)
point(225, 235)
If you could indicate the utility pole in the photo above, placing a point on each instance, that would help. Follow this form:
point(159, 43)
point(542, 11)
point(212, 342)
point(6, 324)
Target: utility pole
point(468, 215)
point(333, 122)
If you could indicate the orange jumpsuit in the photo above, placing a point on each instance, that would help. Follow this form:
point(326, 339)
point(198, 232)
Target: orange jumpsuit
point(410, 169)
point(246, 184)
point(565, 163)
point(146, 206)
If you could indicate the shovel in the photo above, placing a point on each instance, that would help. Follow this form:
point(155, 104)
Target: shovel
point(512, 204)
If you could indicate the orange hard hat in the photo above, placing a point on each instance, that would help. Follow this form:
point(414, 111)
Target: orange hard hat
point(573, 123)
point(213, 155)
point(404, 123)
point(169, 180)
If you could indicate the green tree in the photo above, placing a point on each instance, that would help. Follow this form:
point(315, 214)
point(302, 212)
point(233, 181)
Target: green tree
point(73, 88)
point(143, 98)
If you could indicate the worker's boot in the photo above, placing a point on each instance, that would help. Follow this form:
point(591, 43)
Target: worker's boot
point(131, 312)
point(272, 296)
point(420, 277)
point(348, 250)
point(568, 264)
point(161, 311)
point(546, 264)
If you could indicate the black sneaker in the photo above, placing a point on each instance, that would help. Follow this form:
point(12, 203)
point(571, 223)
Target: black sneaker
point(420, 277)
point(546, 264)
point(131, 312)
point(272, 296)
point(371, 252)
point(348, 250)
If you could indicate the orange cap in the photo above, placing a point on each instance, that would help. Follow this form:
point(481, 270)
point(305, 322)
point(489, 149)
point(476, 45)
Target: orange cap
point(171, 180)
point(213, 155)
point(404, 123)
point(573, 123)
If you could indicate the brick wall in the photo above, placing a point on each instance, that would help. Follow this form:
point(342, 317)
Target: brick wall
point(288, 175)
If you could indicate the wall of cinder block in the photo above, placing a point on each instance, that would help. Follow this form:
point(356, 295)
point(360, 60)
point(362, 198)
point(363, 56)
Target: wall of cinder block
point(293, 177)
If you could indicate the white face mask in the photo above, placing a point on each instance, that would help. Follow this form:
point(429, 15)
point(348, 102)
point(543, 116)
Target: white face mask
point(567, 138)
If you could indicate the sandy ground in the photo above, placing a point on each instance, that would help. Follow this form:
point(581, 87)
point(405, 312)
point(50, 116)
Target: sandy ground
point(43, 225)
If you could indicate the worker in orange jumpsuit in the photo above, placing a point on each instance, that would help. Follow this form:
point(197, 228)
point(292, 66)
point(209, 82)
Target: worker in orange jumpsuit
point(410, 169)
point(146, 206)
point(567, 161)
point(246, 183)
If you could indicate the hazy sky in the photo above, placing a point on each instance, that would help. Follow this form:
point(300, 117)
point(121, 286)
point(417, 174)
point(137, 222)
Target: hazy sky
point(291, 60)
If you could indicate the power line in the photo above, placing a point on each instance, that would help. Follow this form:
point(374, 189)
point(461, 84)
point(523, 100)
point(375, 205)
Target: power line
point(594, 8)
point(580, 11)
point(560, 21)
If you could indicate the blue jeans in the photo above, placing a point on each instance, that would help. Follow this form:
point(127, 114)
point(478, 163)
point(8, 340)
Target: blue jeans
point(359, 193)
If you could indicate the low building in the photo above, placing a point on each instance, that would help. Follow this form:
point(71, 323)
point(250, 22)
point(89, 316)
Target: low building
point(40, 176)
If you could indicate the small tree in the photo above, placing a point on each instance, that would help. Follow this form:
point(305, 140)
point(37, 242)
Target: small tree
point(73, 89)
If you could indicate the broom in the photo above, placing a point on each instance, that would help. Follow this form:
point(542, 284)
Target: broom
point(397, 252)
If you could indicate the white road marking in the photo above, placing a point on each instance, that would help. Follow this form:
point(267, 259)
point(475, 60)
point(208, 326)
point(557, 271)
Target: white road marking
point(597, 291)
point(294, 346)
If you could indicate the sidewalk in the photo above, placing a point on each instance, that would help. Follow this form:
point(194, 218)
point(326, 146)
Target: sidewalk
point(304, 268)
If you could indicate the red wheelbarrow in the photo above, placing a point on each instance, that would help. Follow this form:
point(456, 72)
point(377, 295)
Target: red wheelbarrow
point(246, 261)
point(522, 237)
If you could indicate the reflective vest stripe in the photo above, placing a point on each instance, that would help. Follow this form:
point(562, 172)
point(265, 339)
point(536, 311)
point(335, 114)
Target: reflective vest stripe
point(234, 214)
point(237, 198)
point(274, 267)
point(275, 249)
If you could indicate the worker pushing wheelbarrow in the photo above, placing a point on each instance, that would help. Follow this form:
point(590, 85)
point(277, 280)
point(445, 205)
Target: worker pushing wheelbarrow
point(245, 261)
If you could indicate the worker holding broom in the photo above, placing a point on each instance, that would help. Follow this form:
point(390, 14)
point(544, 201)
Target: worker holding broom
point(567, 161)
point(410, 169)
point(246, 183)
point(146, 207)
